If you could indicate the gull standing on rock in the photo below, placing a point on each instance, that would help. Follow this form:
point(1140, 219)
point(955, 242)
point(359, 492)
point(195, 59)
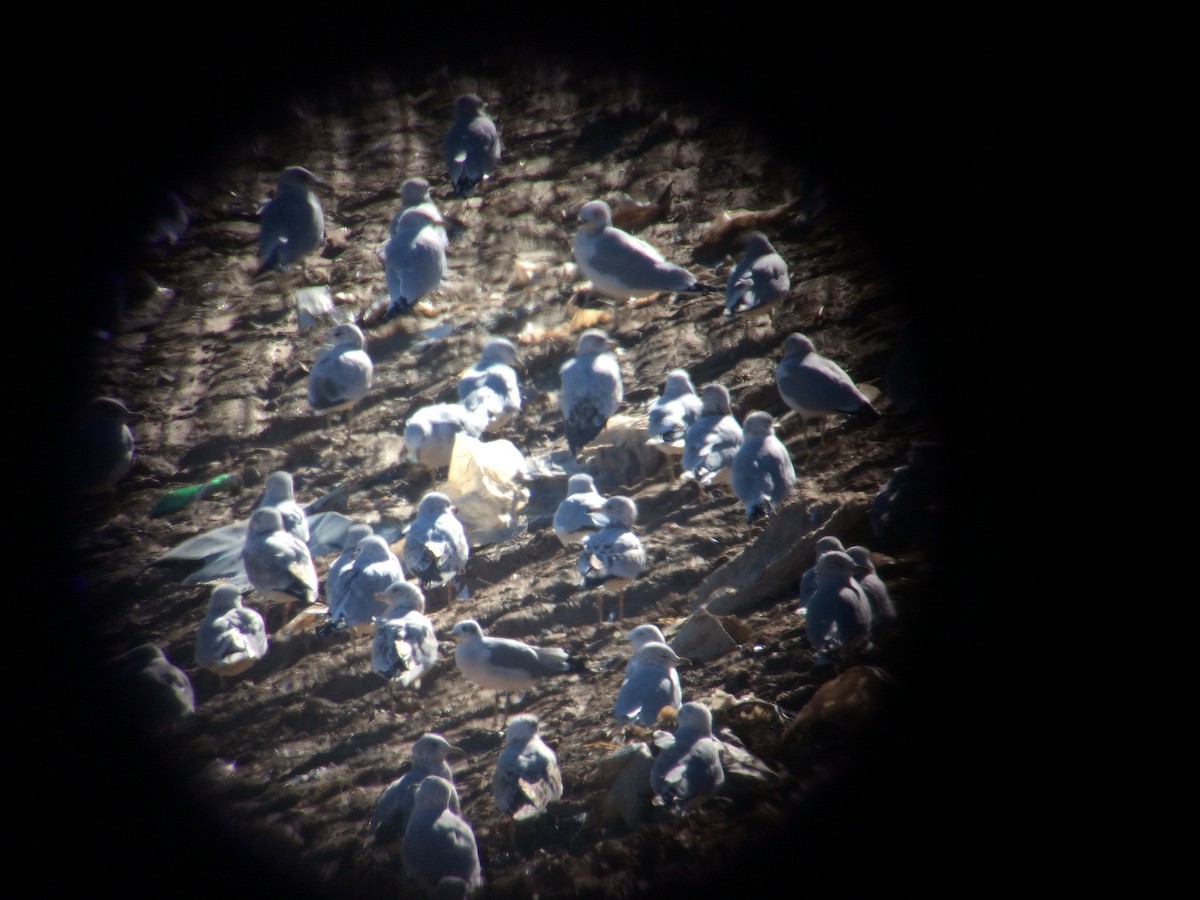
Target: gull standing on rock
point(405, 645)
point(651, 683)
point(341, 375)
point(279, 493)
point(838, 614)
point(501, 664)
point(435, 544)
point(471, 146)
point(814, 386)
point(101, 447)
point(591, 388)
point(671, 415)
point(759, 282)
point(713, 440)
point(614, 556)
point(395, 804)
point(437, 842)
point(622, 266)
point(292, 224)
point(231, 638)
point(491, 384)
point(414, 258)
point(578, 515)
point(762, 474)
point(688, 769)
point(277, 562)
point(527, 778)
point(372, 570)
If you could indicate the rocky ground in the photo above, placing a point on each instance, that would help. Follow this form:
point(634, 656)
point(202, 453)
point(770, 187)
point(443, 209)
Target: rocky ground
point(280, 767)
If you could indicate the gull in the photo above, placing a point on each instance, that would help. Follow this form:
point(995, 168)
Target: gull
point(591, 388)
point(405, 646)
point(622, 266)
point(651, 682)
point(878, 598)
point(471, 146)
point(156, 689)
point(414, 258)
point(437, 841)
point(578, 515)
point(906, 511)
point(491, 384)
point(527, 777)
point(278, 563)
point(395, 804)
point(435, 545)
point(413, 192)
point(333, 574)
point(713, 440)
point(502, 664)
point(838, 613)
point(808, 581)
point(232, 637)
point(292, 224)
point(279, 493)
point(671, 415)
point(614, 556)
point(341, 375)
point(762, 474)
point(372, 569)
point(102, 446)
point(815, 386)
point(687, 770)
point(429, 433)
point(758, 282)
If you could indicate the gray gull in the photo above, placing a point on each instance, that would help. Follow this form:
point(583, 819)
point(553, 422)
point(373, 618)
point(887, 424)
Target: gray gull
point(232, 637)
point(437, 841)
point(688, 769)
point(815, 386)
point(471, 146)
point(614, 556)
point(762, 474)
point(278, 563)
point(591, 388)
point(578, 515)
point(395, 803)
point(291, 225)
point(503, 665)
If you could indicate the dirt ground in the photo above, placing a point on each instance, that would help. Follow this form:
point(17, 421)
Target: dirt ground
point(278, 770)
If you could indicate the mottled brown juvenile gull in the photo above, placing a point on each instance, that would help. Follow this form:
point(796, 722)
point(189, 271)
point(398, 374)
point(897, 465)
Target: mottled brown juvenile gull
point(591, 388)
point(527, 777)
point(713, 440)
point(396, 801)
point(651, 682)
point(758, 282)
point(671, 415)
point(405, 645)
point(838, 614)
point(614, 556)
point(414, 258)
point(471, 146)
point(102, 446)
point(157, 689)
point(437, 841)
point(372, 570)
point(232, 637)
point(762, 474)
point(622, 266)
point(342, 374)
point(503, 665)
point(292, 224)
point(688, 769)
point(491, 384)
point(278, 563)
point(279, 492)
point(435, 544)
point(814, 386)
point(578, 515)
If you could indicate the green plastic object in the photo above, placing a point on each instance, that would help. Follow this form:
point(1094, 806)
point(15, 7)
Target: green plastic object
point(175, 500)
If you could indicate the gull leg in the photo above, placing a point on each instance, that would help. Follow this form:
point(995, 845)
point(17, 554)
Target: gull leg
point(621, 605)
point(600, 606)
